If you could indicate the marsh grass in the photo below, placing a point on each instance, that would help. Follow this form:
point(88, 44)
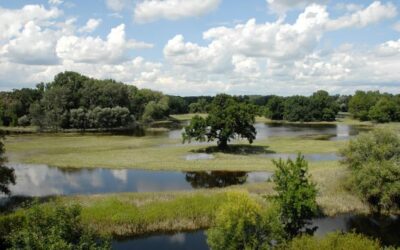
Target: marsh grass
point(151, 152)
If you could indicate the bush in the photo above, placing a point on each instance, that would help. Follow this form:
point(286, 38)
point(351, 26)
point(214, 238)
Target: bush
point(54, 227)
point(242, 224)
point(378, 183)
point(374, 161)
point(376, 146)
point(296, 194)
point(333, 241)
point(24, 121)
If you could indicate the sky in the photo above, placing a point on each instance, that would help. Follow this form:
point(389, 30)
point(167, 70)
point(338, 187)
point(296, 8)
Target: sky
point(205, 47)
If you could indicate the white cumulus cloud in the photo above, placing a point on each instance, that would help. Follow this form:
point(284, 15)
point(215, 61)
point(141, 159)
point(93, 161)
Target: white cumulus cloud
point(96, 50)
point(90, 26)
point(152, 10)
point(375, 12)
point(13, 20)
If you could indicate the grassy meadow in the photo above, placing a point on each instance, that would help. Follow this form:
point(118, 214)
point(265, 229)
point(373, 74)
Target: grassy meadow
point(151, 152)
point(130, 214)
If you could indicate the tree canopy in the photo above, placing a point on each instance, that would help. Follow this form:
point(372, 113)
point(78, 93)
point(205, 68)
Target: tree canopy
point(296, 194)
point(320, 106)
point(374, 162)
point(226, 120)
point(372, 105)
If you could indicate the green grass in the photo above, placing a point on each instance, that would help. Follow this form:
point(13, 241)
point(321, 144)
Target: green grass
point(156, 153)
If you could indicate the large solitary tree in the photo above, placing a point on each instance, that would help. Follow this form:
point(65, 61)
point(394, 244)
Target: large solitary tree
point(226, 120)
point(6, 174)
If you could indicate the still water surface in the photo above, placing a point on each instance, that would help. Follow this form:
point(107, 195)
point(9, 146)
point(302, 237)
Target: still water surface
point(267, 130)
point(42, 180)
point(386, 229)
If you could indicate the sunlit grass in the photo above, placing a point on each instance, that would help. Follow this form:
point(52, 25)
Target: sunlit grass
point(157, 153)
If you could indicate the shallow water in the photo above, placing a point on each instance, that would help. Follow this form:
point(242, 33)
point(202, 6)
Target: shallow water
point(199, 156)
point(308, 157)
point(267, 130)
point(42, 180)
point(386, 229)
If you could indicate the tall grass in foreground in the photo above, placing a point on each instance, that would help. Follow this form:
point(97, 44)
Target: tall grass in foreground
point(126, 216)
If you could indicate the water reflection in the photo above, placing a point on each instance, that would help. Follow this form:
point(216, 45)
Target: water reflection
point(215, 179)
point(179, 241)
point(267, 130)
point(41, 180)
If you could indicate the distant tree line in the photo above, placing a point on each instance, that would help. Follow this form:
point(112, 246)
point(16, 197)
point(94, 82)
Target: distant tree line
point(76, 101)
point(375, 106)
point(320, 106)
point(73, 100)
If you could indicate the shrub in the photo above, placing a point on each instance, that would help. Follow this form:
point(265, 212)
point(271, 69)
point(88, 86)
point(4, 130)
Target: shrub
point(376, 146)
point(374, 161)
point(333, 241)
point(296, 194)
point(54, 227)
point(24, 121)
point(242, 224)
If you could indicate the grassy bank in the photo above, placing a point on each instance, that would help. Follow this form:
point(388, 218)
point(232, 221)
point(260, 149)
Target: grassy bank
point(151, 152)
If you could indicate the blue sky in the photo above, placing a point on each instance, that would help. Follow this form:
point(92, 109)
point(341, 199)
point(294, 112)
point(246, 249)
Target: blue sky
point(205, 46)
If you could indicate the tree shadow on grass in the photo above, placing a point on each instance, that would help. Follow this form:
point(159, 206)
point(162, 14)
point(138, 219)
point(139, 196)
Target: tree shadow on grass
point(237, 149)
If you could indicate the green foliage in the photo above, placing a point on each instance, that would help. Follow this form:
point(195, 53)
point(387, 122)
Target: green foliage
point(24, 121)
point(297, 108)
point(227, 119)
point(375, 106)
point(378, 183)
point(177, 105)
point(385, 110)
point(67, 101)
point(323, 106)
point(156, 110)
point(296, 194)
point(319, 107)
point(378, 145)
point(7, 175)
point(242, 224)
point(54, 227)
point(361, 102)
point(333, 241)
point(201, 106)
point(374, 161)
point(275, 108)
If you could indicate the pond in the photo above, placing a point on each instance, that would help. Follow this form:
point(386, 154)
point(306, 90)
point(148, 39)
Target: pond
point(386, 229)
point(266, 130)
point(42, 180)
